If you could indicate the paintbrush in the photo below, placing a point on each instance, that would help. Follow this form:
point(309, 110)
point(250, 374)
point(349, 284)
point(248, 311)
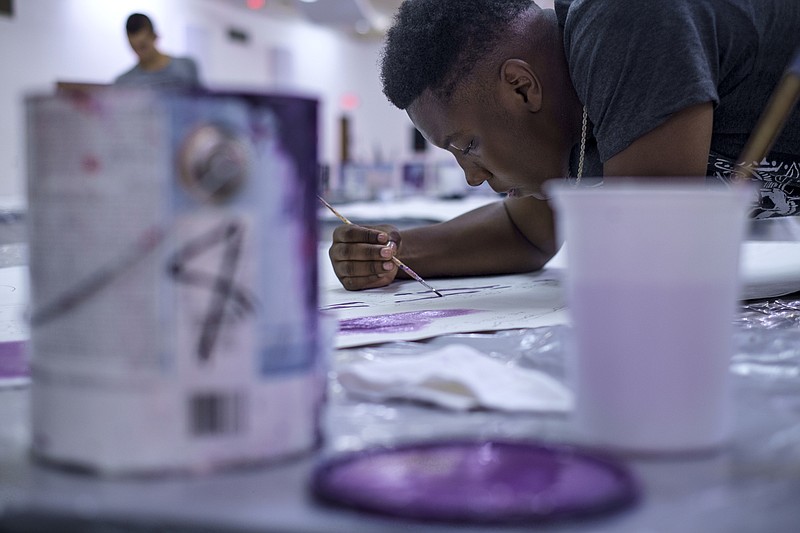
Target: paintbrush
point(771, 121)
point(402, 266)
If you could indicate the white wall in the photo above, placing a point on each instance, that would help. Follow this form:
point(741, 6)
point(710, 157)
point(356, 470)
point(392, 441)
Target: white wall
point(84, 40)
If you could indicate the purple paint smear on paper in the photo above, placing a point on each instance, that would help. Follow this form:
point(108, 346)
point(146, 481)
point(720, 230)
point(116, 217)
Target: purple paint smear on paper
point(13, 361)
point(398, 322)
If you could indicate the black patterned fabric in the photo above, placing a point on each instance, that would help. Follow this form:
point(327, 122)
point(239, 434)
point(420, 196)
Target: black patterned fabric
point(778, 183)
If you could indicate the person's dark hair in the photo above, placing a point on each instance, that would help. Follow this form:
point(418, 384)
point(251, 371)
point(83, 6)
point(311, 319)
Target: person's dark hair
point(138, 22)
point(433, 44)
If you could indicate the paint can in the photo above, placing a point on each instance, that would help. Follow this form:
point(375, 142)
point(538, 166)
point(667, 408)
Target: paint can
point(174, 322)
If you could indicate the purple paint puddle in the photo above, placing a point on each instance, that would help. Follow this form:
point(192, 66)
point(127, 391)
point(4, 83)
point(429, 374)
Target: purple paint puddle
point(398, 322)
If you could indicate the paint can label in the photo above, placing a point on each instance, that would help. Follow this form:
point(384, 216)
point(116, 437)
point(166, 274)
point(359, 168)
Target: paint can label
point(173, 278)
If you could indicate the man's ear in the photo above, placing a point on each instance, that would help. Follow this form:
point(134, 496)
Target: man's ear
point(518, 77)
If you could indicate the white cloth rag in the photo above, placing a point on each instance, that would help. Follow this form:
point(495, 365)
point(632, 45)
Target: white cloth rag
point(456, 377)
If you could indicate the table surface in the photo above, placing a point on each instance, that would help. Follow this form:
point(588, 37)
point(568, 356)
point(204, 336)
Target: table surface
point(751, 485)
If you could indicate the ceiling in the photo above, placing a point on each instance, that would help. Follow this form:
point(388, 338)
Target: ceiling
point(366, 18)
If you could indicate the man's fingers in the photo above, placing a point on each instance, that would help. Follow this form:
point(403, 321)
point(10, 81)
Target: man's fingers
point(362, 257)
point(361, 252)
point(347, 269)
point(353, 233)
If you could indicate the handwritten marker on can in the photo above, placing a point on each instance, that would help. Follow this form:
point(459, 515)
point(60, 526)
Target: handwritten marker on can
point(402, 266)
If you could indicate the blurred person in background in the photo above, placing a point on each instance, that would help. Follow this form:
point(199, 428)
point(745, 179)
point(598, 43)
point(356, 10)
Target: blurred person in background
point(155, 69)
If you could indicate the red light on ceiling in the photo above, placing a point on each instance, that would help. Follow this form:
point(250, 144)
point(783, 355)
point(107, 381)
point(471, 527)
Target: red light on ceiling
point(256, 4)
point(349, 101)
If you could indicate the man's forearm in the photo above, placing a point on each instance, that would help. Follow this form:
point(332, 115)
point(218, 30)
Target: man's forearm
point(500, 238)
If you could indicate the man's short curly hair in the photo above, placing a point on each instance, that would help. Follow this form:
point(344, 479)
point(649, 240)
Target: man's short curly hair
point(435, 43)
point(137, 22)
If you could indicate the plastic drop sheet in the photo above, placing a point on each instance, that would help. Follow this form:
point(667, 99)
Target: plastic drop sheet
point(751, 485)
point(765, 368)
point(768, 342)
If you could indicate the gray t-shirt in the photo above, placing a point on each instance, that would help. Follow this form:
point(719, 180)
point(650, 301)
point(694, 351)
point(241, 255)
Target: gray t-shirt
point(635, 63)
point(180, 73)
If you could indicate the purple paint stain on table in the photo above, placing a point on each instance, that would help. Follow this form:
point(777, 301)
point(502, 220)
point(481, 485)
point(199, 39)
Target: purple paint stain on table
point(13, 361)
point(398, 322)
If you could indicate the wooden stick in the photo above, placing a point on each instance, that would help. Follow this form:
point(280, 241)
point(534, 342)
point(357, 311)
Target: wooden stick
point(771, 121)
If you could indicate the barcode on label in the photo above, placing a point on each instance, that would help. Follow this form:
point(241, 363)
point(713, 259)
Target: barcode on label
point(215, 413)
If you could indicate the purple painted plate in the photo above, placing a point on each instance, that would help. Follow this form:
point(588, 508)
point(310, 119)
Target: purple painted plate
point(469, 481)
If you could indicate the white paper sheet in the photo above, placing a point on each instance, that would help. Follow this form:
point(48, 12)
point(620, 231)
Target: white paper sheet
point(405, 311)
point(770, 269)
